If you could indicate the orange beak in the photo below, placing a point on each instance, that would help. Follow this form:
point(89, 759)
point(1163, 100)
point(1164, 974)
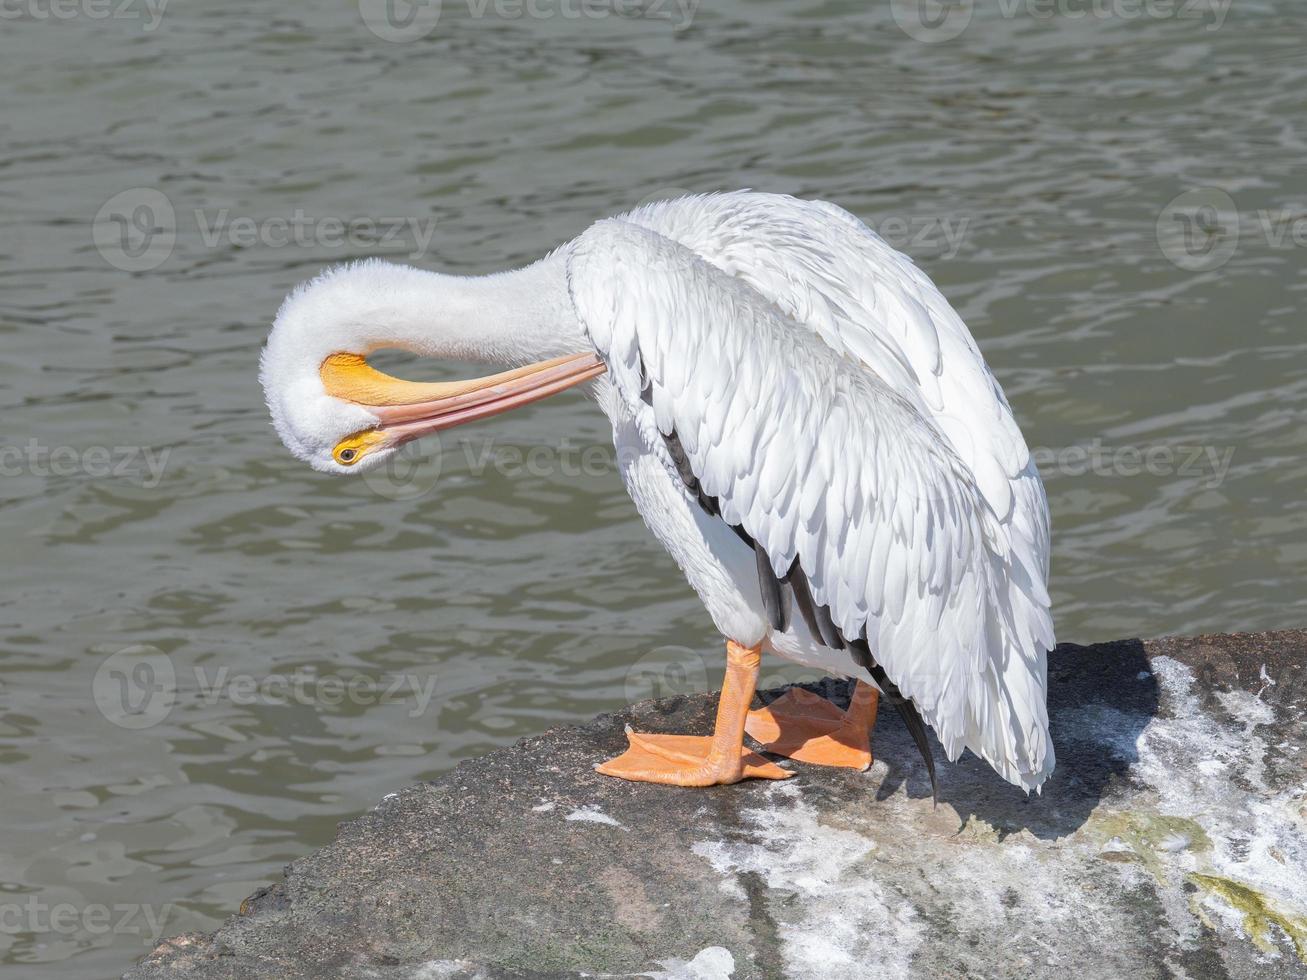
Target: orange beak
point(409, 409)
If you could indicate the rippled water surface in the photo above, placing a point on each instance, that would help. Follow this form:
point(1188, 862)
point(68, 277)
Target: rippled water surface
point(182, 605)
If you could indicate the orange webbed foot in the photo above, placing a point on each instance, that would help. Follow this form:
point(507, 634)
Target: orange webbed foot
point(804, 726)
point(686, 760)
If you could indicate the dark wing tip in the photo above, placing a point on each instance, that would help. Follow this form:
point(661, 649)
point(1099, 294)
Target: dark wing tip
point(907, 710)
point(773, 593)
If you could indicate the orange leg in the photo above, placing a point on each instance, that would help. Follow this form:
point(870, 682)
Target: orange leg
point(804, 726)
point(693, 760)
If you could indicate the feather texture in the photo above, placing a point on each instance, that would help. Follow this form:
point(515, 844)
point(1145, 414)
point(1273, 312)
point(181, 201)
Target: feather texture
point(832, 406)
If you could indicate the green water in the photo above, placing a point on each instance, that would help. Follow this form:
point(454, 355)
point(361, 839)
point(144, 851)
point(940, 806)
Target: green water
point(182, 606)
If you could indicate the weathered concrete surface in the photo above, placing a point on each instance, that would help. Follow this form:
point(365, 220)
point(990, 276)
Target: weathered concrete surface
point(1171, 842)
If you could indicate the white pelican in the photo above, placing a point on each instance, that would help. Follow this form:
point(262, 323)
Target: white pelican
point(802, 420)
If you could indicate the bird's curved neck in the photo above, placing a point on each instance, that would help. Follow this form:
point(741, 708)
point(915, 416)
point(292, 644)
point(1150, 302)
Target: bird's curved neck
point(506, 318)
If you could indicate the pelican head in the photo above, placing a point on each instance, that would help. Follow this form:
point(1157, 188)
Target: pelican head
point(339, 414)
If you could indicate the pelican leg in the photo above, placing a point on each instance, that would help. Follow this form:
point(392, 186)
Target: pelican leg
point(804, 726)
point(694, 760)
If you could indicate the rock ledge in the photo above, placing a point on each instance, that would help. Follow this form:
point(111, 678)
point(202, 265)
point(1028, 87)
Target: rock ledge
point(1171, 842)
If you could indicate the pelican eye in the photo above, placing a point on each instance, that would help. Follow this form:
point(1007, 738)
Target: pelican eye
point(354, 448)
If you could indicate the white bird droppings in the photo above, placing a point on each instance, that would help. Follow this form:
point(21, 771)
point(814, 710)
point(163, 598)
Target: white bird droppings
point(843, 916)
point(1196, 823)
point(590, 813)
point(713, 963)
point(441, 969)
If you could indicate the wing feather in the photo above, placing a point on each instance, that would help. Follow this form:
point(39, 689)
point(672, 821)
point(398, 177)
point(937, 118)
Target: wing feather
point(881, 493)
point(827, 270)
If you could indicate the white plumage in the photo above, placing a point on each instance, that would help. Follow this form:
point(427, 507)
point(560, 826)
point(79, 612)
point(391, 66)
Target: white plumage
point(827, 394)
point(829, 399)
